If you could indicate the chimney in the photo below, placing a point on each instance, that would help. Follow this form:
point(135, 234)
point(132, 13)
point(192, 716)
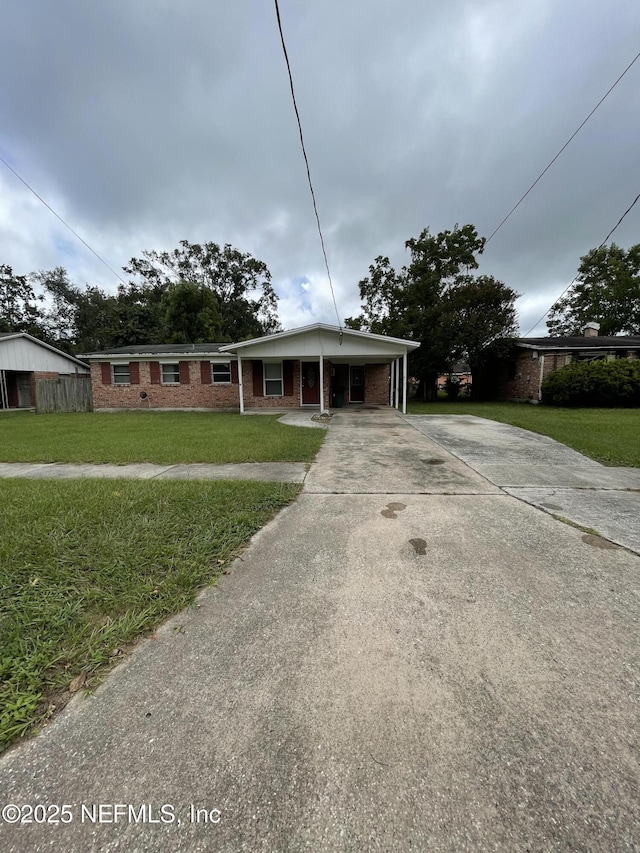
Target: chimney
point(591, 330)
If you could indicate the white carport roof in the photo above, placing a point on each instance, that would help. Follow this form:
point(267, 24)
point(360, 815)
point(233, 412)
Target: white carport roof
point(321, 339)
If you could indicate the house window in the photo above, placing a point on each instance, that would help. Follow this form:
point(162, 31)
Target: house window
point(221, 373)
point(121, 374)
point(273, 379)
point(171, 374)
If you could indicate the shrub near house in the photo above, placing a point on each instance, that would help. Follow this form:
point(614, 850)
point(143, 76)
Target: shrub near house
point(594, 383)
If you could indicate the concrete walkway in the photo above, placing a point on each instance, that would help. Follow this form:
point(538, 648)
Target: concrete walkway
point(277, 472)
point(406, 658)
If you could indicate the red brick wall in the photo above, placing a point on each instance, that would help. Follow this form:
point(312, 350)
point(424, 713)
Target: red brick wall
point(376, 384)
point(250, 401)
point(524, 386)
point(193, 395)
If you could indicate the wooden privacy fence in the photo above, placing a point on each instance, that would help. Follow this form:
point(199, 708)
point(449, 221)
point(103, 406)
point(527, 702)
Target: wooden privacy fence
point(66, 394)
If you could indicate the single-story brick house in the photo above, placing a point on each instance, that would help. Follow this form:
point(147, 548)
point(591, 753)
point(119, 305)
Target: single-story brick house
point(314, 366)
point(521, 374)
point(23, 361)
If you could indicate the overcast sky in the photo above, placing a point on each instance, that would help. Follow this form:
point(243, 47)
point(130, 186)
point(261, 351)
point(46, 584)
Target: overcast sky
point(144, 122)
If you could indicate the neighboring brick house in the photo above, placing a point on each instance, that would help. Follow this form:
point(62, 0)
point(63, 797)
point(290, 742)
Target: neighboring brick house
point(23, 361)
point(460, 371)
point(521, 374)
point(317, 366)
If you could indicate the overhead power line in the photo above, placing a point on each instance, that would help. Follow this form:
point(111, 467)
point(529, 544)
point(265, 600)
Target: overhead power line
point(571, 138)
point(66, 224)
point(306, 160)
point(574, 279)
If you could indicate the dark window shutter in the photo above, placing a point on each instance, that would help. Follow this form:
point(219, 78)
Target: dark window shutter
point(234, 372)
point(257, 378)
point(184, 372)
point(134, 373)
point(205, 372)
point(287, 376)
point(105, 367)
point(154, 370)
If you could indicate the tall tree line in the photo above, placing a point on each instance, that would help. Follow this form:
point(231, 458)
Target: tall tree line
point(195, 293)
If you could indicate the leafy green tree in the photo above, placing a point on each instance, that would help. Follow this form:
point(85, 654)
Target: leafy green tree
point(606, 291)
point(475, 313)
point(19, 308)
point(240, 283)
point(434, 300)
point(191, 314)
point(78, 320)
point(59, 322)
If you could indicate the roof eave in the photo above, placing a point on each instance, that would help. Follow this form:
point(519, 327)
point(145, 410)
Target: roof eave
point(317, 327)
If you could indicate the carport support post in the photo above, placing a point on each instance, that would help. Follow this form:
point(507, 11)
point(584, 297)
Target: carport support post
point(4, 397)
point(404, 383)
point(240, 385)
point(395, 399)
point(321, 384)
point(391, 383)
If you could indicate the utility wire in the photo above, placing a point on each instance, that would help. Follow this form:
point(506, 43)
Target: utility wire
point(306, 160)
point(66, 224)
point(571, 138)
point(573, 281)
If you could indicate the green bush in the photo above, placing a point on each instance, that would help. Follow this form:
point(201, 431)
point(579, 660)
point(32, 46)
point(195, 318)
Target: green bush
point(594, 383)
point(452, 387)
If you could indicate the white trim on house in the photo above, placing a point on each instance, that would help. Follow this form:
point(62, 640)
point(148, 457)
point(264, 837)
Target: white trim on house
point(325, 327)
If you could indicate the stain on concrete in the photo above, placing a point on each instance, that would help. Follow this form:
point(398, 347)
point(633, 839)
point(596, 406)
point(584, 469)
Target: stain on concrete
point(392, 508)
point(434, 461)
point(549, 505)
point(599, 542)
point(419, 546)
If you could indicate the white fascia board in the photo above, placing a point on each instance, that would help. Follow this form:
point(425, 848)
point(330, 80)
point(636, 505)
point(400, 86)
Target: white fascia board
point(157, 356)
point(320, 327)
point(579, 349)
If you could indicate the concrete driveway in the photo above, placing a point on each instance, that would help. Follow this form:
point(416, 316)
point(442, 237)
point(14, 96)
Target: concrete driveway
point(543, 472)
point(407, 658)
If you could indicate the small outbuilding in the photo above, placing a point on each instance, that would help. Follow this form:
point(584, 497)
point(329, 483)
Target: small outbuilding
point(23, 361)
point(318, 366)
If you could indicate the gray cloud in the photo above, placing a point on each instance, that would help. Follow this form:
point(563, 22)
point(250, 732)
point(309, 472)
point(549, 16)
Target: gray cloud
point(145, 123)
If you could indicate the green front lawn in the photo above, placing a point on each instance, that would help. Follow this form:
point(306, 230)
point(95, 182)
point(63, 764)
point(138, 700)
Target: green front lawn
point(612, 436)
point(87, 566)
point(166, 438)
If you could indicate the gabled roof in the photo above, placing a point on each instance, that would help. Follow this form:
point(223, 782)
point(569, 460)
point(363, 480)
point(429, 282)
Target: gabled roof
point(157, 349)
point(582, 342)
point(6, 336)
point(208, 349)
point(325, 327)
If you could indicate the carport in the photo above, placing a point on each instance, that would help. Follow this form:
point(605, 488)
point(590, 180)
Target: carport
point(322, 366)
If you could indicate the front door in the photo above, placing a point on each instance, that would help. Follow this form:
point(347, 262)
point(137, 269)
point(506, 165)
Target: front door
point(356, 384)
point(310, 378)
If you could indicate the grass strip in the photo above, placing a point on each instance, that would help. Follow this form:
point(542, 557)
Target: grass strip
point(87, 566)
